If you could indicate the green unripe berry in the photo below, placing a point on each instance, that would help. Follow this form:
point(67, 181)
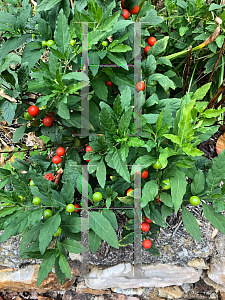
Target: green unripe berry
point(44, 44)
point(72, 42)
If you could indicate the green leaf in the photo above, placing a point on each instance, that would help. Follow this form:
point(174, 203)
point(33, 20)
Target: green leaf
point(216, 172)
point(135, 142)
point(191, 224)
point(149, 192)
point(94, 241)
point(46, 267)
point(165, 211)
point(125, 121)
point(48, 230)
point(121, 80)
point(7, 211)
point(184, 125)
point(94, 62)
point(60, 275)
point(127, 240)
point(159, 121)
point(166, 199)
point(17, 225)
point(174, 138)
point(155, 216)
point(13, 44)
point(22, 189)
point(151, 18)
point(198, 184)
point(47, 5)
point(8, 109)
point(201, 92)
point(63, 110)
point(103, 228)
point(119, 165)
point(216, 219)
point(44, 29)
point(154, 250)
point(109, 22)
point(149, 65)
point(164, 61)
point(110, 216)
point(118, 59)
point(62, 34)
point(178, 187)
point(19, 133)
point(101, 173)
point(160, 46)
point(100, 89)
point(64, 266)
point(212, 113)
point(163, 80)
point(145, 160)
point(120, 48)
point(125, 97)
point(73, 246)
point(58, 199)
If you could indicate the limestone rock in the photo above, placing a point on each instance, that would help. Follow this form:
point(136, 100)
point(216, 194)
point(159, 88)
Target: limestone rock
point(217, 270)
point(198, 263)
point(121, 276)
point(128, 291)
point(25, 280)
point(74, 256)
point(216, 286)
point(171, 292)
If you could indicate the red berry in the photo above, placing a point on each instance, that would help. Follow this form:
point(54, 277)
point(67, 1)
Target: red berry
point(144, 174)
point(88, 148)
point(76, 206)
point(146, 49)
point(147, 244)
point(151, 41)
point(49, 176)
point(145, 226)
point(122, 3)
point(47, 121)
point(147, 220)
point(56, 159)
point(125, 14)
point(134, 10)
point(60, 151)
point(108, 83)
point(140, 86)
point(33, 110)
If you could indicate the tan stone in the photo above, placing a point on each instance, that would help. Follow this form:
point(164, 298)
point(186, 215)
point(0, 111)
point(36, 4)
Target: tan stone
point(198, 263)
point(222, 295)
point(171, 292)
point(83, 289)
point(43, 298)
point(25, 280)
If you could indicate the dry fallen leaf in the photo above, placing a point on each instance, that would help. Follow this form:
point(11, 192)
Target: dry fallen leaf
point(32, 140)
point(215, 231)
point(220, 144)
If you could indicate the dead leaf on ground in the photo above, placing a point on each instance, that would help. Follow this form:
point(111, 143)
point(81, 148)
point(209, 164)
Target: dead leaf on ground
point(215, 231)
point(33, 140)
point(220, 144)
